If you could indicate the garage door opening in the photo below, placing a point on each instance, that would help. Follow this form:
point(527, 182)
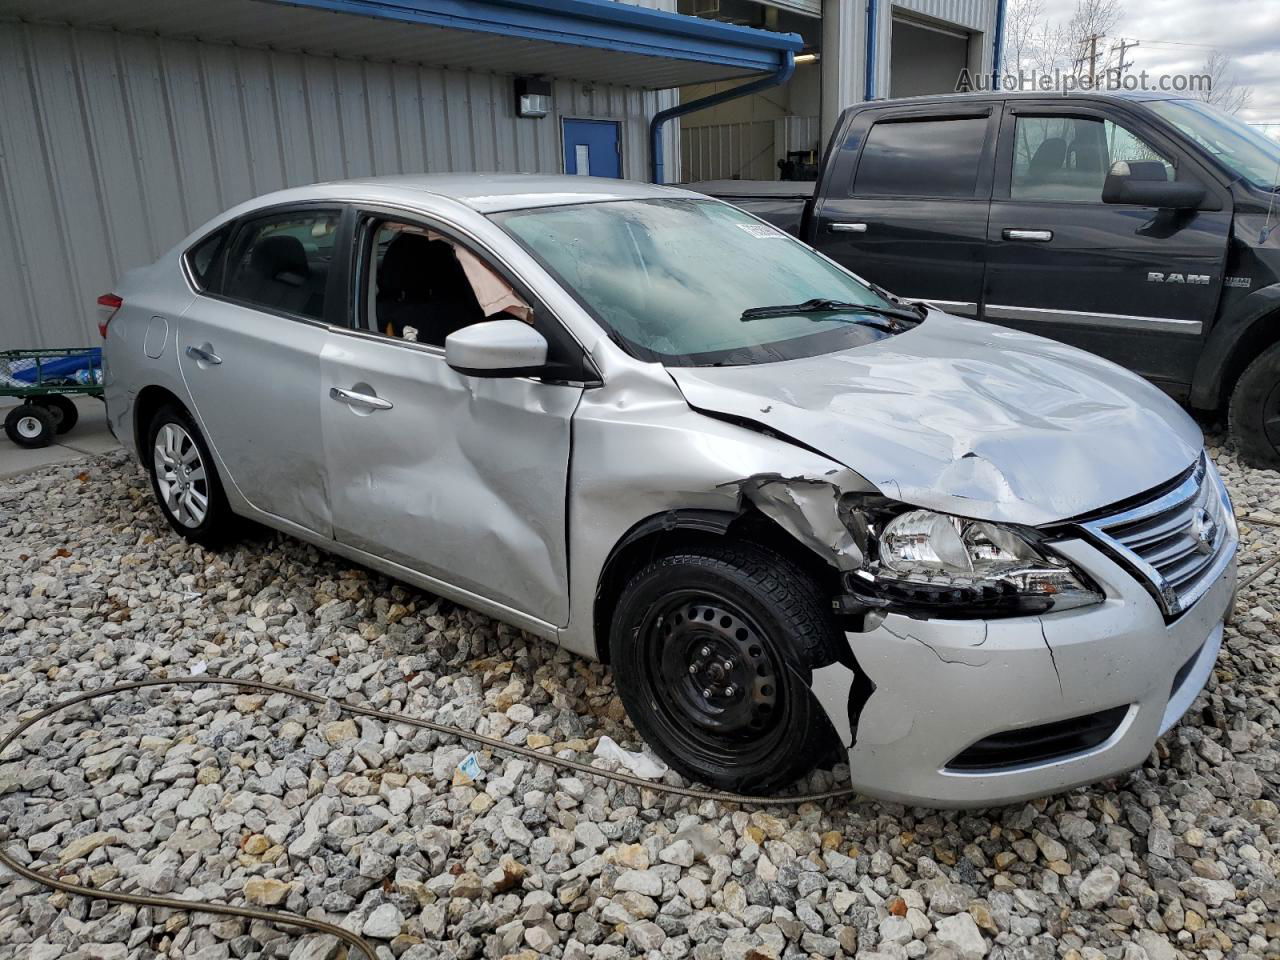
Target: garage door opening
point(925, 59)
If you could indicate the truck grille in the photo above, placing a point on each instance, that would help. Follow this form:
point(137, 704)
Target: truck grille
point(1176, 539)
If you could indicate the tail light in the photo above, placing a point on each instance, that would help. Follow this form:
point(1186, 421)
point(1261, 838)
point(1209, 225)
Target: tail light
point(109, 304)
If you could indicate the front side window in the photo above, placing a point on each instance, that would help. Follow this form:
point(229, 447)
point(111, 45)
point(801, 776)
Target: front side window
point(671, 279)
point(1067, 158)
point(922, 158)
point(422, 286)
point(282, 262)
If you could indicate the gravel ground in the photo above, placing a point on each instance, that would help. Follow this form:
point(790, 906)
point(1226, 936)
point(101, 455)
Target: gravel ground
point(211, 793)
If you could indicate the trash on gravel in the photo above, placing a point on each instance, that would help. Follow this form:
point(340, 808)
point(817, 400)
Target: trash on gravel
point(642, 764)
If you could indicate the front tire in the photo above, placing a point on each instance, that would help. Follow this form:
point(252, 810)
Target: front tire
point(185, 481)
point(1254, 414)
point(712, 650)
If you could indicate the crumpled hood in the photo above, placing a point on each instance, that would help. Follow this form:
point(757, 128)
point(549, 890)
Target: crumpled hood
point(967, 418)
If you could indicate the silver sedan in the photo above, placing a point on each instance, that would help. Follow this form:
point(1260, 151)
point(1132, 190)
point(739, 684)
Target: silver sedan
point(803, 519)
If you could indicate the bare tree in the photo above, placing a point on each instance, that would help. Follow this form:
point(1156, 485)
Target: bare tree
point(1074, 46)
point(1224, 89)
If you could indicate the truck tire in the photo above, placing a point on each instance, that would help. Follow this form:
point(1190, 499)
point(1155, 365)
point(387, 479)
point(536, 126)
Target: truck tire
point(1254, 414)
point(712, 650)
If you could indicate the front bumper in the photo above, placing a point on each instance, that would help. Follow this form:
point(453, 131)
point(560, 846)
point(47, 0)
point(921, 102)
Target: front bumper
point(941, 686)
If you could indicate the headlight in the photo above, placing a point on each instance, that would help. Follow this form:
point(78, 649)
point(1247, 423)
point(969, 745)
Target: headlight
point(958, 567)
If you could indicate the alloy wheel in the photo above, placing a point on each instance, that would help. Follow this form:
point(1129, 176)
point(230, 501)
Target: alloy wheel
point(180, 475)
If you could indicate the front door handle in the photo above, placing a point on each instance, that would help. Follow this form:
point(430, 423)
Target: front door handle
point(848, 228)
point(1029, 236)
point(204, 354)
point(364, 399)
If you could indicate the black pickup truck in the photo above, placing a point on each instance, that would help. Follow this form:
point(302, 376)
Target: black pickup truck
point(1142, 227)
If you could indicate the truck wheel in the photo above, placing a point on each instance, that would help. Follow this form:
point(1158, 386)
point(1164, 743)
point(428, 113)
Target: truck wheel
point(1254, 414)
point(712, 650)
point(30, 426)
point(63, 409)
point(185, 481)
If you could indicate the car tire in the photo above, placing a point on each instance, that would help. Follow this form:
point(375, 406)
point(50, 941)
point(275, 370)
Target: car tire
point(30, 426)
point(712, 651)
point(1254, 413)
point(185, 481)
point(64, 410)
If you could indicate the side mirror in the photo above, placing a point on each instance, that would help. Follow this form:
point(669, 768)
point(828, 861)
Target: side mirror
point(496, 348)
point(1138, 183)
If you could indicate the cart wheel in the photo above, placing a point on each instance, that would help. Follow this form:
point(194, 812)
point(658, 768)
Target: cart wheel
point(30, 426)
point(63, 409)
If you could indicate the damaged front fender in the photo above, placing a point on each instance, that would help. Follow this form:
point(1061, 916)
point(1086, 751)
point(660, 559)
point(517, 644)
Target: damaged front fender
point(808, 508)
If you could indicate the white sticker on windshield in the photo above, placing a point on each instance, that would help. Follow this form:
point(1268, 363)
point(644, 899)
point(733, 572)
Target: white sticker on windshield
point(760, 231)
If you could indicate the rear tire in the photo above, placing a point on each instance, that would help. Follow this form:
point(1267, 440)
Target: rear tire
point(30, 426)
point(185, 481)
point(1254, 413)
point(712, 651)
point(65, 413)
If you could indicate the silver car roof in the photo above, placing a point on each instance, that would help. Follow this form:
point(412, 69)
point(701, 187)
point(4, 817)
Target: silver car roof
point(494, 192)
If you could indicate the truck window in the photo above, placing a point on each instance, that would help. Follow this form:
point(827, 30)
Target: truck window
point(1067, 158)
point(921, 158)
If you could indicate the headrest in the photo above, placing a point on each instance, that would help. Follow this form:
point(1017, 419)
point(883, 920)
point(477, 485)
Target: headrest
point(274, 256)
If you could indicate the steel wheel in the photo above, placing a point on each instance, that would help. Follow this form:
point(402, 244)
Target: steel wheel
point(29, 425)
point(712, 649)
point(180, 475)
point(716, 671)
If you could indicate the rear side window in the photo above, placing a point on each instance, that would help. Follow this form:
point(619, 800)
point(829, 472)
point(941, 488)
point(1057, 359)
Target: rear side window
point(922, 158)
point(204, 260)
point(282, 262)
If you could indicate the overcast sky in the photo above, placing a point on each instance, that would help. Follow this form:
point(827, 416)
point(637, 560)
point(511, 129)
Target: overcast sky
point(1247, 30)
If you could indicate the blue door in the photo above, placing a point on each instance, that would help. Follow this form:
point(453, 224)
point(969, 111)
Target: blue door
point(592, 148)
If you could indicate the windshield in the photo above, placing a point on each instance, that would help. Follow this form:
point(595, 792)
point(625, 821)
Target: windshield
point(1234, 143)
point(670, 279)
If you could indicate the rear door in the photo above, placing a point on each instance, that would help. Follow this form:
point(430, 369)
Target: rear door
point(1135, 284)
point(249, 349)
point(904, 202)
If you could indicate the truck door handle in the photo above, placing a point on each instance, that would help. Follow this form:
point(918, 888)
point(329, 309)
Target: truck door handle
point(848, 228)
point(204, 354)
point(364, 399)
point(1030, 236)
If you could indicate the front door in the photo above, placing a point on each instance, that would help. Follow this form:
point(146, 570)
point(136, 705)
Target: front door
point(1134, 284)
point(593, 148)
point(249, 351)
point(909, 209)
point(460, 478)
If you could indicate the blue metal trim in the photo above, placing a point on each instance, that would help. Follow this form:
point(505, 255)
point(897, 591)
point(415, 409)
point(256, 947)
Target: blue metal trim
point(869, 80)
point(601, 24)
point(997, 53)
point(776, 79)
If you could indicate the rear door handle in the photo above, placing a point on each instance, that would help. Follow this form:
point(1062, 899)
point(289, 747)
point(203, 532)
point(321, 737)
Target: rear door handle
point(848, 228)
point(364, 399)
point(1029, 236)
point(204, 354)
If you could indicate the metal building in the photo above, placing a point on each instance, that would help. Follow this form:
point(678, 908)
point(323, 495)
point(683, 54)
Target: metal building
point(853, 50)
point(128, 123)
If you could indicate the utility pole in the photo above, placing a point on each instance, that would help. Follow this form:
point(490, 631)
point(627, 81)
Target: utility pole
point(1092, 40)
point(1121, 49)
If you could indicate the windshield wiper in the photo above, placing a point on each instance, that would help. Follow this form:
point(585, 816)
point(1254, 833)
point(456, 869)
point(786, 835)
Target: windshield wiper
point(818, 305)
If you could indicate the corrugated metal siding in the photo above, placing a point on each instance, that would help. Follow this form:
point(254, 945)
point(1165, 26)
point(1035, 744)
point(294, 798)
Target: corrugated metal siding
point(113, 147)
point(744, 151)
point(974, 14)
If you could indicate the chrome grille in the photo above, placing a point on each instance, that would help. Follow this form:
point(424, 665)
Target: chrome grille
point(1178, 540)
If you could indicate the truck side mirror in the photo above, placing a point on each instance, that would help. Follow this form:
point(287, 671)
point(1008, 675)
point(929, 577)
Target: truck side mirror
point(1143, 183)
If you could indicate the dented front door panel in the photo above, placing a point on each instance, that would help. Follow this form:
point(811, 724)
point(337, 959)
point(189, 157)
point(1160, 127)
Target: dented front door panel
point(460, 478)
